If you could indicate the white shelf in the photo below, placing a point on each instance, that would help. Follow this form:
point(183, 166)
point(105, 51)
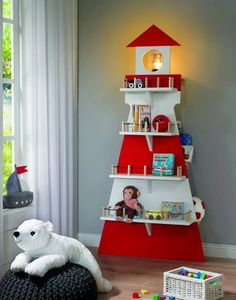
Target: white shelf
point(165, 222)
point(148, 223)
point(148, 177)
point(149, 133)
point(13, 211)
point(151, 89)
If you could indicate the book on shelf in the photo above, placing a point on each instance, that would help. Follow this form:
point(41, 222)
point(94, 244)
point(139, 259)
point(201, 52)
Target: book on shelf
point(175, 210)
point(163, 164)
point(145, 117)
point(188, 152)
point(141, 117)
point(173, 207)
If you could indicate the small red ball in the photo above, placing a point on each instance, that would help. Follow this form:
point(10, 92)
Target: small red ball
point(162, 121)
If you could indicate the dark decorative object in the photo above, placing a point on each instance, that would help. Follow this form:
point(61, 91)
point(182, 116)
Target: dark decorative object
point(15, 198)
point(70, 282)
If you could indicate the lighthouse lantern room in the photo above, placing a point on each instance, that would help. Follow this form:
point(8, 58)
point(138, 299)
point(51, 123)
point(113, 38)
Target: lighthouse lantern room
point(153, 48)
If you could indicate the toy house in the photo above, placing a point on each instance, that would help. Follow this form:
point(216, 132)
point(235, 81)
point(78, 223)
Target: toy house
point(162, 235)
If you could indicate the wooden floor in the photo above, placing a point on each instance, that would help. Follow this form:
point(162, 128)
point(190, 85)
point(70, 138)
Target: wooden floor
point(131, 274)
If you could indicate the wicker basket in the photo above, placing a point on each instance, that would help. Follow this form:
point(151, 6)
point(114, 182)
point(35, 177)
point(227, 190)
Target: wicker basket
point(189, 288)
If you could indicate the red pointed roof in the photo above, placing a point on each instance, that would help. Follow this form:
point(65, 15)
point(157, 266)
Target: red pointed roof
point(153, 36)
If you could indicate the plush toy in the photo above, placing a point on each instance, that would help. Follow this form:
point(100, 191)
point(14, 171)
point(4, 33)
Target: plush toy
point(45, 250)
point(129, 203)
point(199, 208)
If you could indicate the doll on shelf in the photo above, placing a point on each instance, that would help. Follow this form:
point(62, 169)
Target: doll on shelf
point(129, 205)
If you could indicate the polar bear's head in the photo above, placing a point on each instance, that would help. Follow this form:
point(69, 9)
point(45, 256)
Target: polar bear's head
point(33, 234)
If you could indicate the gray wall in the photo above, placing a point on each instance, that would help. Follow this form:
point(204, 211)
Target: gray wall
point(206, 59)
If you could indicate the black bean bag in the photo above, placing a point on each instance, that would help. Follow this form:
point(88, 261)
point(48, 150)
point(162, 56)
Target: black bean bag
point(70, 282)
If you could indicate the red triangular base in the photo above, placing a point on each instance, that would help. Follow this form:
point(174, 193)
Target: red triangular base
point(166, 242)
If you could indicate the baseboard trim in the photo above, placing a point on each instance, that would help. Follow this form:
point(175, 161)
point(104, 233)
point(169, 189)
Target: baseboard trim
point(89, 239)
point(210, 250)
point(220, 250)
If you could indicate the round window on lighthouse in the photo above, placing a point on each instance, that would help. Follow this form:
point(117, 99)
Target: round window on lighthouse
point(152, 60)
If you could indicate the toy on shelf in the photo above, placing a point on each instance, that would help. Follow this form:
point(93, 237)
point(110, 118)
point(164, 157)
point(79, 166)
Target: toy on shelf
point(199, 208)
point(134, 83)
point(187, 145)
point(186, 139)
point(129, 205)
point(188, 153)
point(161, 123)
point(15, 197)
point(154, 214)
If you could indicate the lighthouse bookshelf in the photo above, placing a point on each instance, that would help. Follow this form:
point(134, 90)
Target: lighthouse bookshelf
point(167, 237)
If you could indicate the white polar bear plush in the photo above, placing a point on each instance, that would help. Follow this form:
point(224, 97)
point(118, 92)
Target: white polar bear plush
point(45, 250)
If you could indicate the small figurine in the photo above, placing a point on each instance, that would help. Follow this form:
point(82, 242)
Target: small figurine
point(129, 204)
point(15, 197)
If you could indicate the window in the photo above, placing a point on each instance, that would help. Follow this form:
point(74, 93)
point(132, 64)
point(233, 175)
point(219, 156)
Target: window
point(10, 89)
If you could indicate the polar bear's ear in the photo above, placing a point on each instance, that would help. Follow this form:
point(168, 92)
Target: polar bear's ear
point(49, 226)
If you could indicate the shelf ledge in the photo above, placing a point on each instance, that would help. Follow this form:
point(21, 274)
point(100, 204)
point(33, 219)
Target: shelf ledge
point(150, 89)
point(149, 133)
point(146, 221)
point(148, 177)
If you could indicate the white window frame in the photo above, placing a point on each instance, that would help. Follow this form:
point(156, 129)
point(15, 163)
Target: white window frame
point(15, 83)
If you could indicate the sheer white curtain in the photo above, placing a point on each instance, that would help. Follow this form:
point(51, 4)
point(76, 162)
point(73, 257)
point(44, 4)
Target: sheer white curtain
point(49, 108)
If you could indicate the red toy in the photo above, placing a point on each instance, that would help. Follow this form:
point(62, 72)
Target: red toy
point(135, 295)
point(162, 121)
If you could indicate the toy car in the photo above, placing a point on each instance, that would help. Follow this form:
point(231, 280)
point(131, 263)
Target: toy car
point(139, 83)
point(154, 214)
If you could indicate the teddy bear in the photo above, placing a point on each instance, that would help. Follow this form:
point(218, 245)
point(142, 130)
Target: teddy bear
point(129, 204)
point(45, 250)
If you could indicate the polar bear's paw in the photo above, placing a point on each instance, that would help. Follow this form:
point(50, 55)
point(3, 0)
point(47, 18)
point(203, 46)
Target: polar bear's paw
point(18, 266)
point(104, 286)
point(36, 269)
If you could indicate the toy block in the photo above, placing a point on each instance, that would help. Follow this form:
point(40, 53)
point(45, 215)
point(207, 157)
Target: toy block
point(135, 295)
point(144, 292)
point(203, 276)
point(156, 297)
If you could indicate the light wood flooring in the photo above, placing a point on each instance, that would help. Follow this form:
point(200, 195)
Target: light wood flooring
point(131, 274)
